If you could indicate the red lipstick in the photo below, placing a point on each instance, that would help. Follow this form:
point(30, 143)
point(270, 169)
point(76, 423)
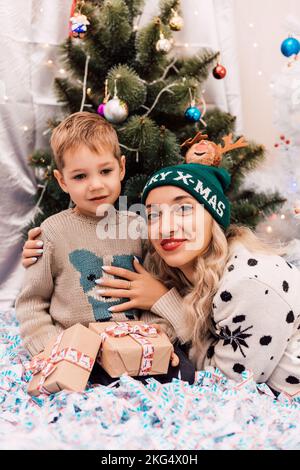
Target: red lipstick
point(171, 244)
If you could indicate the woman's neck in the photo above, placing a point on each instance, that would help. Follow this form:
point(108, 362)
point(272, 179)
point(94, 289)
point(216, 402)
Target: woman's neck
point(189, 273)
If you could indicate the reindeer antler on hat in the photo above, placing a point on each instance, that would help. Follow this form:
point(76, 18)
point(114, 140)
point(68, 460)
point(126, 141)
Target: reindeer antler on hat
point(230, 145)
point(208, 153)
point(198, 137)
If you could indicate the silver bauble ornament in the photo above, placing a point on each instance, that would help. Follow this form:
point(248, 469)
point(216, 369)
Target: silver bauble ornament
point(116, 111)
point(163, 44)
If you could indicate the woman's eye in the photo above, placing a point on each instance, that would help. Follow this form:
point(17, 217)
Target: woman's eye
point(79, 177)
point(153, 216)
point(185, 209)
point(106, 171)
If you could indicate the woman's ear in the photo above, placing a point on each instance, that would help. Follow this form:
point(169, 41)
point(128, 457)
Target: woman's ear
point(60, 179)
point(122, 167)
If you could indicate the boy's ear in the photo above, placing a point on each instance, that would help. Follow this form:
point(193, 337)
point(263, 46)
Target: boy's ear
point(60, 179)
point(122, 167)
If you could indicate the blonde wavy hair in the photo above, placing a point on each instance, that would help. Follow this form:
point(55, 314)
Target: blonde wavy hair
point(209, 268)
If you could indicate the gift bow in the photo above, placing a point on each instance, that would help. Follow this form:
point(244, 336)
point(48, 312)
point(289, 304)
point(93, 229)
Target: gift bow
point(47, 366)
point(139, 333)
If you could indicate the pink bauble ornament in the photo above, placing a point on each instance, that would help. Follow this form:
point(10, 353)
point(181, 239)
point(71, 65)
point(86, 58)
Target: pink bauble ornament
point(101, 109)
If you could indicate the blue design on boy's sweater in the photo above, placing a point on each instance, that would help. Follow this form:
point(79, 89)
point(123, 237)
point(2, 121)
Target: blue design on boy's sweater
point(90, 268)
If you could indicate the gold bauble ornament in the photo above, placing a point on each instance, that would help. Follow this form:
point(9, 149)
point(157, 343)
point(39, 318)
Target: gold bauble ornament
point(176, 22)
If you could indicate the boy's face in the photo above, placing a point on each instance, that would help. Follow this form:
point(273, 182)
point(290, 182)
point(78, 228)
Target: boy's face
point(91, 178)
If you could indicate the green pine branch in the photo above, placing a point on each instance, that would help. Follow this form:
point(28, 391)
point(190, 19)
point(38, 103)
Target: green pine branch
point(130, 87)
point(166, 7)
point(114, 25)
point(198, 66)
point(150, 62)
point(242, 161)
point(67, 94)
point(135, 8)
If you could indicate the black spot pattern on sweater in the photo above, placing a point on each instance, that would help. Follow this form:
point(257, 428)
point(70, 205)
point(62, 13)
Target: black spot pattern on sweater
point(292, 380)
point(239, 319)
point(265, 340)
point(285, 286)
point(238, 368)
point(290, 317)
point(252, 262)
point(226, 296)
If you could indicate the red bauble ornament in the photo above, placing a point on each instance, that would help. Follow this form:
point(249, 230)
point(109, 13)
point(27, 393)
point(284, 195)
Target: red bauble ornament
point(219, 72)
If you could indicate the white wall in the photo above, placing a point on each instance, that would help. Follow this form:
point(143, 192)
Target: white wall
point(269, 30)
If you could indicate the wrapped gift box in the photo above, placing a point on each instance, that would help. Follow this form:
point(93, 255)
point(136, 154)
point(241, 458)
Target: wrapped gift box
point(69, 360)
point(132, 348)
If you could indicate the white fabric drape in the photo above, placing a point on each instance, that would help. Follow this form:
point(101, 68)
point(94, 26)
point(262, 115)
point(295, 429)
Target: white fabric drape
point(31, 31)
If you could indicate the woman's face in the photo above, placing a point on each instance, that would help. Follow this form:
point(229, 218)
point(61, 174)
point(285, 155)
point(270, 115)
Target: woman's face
point(179, 227)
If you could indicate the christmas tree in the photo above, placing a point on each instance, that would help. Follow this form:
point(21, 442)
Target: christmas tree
point(151, 95)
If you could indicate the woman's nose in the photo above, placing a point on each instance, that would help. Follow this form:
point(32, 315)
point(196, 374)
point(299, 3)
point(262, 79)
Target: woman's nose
point(167, 227)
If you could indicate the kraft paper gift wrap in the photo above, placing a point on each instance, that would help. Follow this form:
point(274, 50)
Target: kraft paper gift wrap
point(125, 355)
point(69, 360)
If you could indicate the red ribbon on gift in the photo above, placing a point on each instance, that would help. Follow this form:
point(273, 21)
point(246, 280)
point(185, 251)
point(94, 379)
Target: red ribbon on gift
point(139, 333)
point(47, 366)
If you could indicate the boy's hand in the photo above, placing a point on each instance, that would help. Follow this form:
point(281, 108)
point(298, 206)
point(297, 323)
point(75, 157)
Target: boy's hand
point(32, 248)
point(141, 288)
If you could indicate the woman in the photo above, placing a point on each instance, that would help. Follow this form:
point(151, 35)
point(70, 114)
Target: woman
point(228, 295)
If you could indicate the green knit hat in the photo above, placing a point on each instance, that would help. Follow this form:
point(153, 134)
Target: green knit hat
point(205, 183)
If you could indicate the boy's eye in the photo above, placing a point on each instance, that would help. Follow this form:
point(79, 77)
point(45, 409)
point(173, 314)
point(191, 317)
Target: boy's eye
point(79, 177)
point(107, 171)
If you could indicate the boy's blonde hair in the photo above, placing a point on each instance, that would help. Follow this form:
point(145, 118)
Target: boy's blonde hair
point(83, 128)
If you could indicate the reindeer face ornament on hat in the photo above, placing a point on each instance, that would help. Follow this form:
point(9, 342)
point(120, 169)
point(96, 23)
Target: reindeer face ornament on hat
point(201, 176)
point(205, 152)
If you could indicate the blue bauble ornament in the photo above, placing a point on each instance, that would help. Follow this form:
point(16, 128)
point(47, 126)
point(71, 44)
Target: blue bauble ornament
point(193, 114)
point(290, 46)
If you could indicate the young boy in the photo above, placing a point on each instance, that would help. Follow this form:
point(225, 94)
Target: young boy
point(59, 290)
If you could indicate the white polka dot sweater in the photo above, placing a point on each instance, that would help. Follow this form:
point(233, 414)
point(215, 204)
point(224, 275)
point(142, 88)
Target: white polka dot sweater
point(256, 312)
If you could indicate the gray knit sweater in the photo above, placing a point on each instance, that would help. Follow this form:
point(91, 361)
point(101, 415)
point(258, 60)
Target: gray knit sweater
point(59, 290)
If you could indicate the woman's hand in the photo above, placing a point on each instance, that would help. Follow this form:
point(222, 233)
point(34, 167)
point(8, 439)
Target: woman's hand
point(32, 248)
point(174, 359)
point(140, 287)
